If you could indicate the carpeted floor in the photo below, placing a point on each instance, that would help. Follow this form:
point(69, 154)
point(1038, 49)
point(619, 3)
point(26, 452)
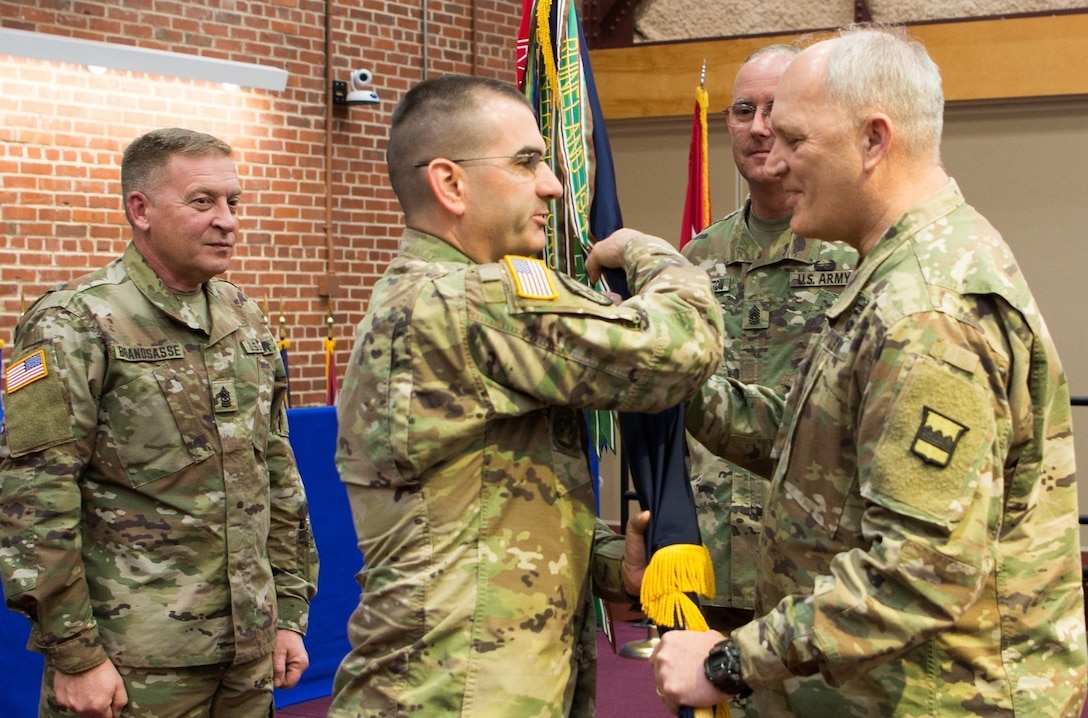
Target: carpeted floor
point(625, 686)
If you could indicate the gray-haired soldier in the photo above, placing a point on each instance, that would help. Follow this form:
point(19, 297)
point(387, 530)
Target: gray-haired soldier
point(920, 551)
point(153, 524)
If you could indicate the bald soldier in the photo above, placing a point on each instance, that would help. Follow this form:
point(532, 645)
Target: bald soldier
point(774, 287)
point(920, 549)
point(462, 442)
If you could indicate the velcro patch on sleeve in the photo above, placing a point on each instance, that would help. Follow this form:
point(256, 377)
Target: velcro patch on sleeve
point(933, 444)
point(531, 278)
point(36, 412)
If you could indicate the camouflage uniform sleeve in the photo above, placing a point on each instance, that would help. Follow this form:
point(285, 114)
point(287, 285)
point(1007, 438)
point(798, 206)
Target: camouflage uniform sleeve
point(607, 553)
point(737, 421)
point(929, 473)
point(648, 353)
point(49, 435)
point(291, 548)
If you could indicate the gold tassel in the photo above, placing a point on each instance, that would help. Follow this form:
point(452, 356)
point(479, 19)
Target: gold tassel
point(675, 571)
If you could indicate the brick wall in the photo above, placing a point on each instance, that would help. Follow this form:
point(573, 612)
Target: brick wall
point(63, 129)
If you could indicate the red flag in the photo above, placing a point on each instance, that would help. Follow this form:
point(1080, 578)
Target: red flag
point(521, 57)
point(697, 203)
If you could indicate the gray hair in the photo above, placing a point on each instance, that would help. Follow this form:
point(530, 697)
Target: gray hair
point(149, 154)
point(880, 68)
point(776, 49)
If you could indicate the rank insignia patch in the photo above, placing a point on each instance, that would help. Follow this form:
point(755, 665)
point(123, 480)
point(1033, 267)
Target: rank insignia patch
point(26, 371)
point(937, 436)
point(531, 278)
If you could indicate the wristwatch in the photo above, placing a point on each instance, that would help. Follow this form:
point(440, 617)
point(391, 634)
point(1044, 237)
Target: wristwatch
point(722, 668)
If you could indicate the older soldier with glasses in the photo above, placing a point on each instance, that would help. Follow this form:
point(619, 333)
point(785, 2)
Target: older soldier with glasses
point(774, 288)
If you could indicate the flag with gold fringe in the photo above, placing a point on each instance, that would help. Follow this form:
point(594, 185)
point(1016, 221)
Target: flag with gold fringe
point(558, 81)
point(332, 385)
point(697, 201)
point(283, 343)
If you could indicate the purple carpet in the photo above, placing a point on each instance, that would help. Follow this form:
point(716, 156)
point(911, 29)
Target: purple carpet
point(625, 686)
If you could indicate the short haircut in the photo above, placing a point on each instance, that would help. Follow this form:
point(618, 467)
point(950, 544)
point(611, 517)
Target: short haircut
point(880, 68)
point(149, 154)
point(439, 117)
point(776, 49)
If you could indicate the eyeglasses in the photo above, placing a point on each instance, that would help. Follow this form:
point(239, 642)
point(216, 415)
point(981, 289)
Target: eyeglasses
point(742, 113)
point(529, 160)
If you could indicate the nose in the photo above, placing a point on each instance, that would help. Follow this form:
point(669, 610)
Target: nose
point(761, 124)
point(548, 185)
point(226, 216)
point(775, 164)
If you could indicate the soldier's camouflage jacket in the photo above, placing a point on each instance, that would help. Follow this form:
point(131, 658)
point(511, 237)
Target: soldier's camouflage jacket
point(464, 455)
point(150, 506)
point(773, 302)
point(920, 554)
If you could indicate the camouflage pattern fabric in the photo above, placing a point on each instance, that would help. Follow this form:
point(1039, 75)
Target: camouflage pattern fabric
point(464, 455)
point(920, 550)
point(242, 691)
point(150, 506)
point(773, 302)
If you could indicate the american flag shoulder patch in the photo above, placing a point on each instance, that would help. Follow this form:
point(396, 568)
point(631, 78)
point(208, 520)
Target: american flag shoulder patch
point(26, 371)
point(531, 278)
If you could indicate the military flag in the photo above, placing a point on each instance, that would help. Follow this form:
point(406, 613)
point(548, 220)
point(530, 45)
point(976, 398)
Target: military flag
point(283, 343)
point(558, 81)
point(697, 202)
point(332, 386)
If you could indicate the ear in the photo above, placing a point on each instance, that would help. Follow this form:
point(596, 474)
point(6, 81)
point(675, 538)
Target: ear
point(446, 181)
point(136, 206)
point(875, 138)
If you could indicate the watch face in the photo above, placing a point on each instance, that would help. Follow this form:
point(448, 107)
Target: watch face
point(722, 668)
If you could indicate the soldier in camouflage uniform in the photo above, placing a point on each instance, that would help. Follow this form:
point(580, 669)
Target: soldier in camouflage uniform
point(920, 546)
point(153, 524)
point(462, 443)
point(774, 288)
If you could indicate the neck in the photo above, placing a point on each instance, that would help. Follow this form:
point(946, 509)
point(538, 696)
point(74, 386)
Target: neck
point(768, 201)
point(902, 193)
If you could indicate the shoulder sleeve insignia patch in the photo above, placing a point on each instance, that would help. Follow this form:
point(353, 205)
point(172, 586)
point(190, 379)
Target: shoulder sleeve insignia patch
point(26, 371)
point(531, 278)
point(937, 437)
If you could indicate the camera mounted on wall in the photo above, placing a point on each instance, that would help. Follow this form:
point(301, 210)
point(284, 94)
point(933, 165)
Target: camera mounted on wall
point(360, 92)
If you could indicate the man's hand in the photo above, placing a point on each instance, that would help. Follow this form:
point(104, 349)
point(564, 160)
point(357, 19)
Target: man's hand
point(608, 252)
point(678, 669)
point(290, 660)
point(97, 692)
point(633, 565)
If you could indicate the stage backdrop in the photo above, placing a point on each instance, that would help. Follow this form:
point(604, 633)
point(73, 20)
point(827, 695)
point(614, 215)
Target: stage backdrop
point(313, 436)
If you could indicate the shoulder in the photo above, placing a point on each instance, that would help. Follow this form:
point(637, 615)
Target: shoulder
point(715, 237)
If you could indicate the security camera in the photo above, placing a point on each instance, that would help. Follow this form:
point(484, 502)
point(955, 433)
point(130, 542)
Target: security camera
point(360, 78)
point(359, 94)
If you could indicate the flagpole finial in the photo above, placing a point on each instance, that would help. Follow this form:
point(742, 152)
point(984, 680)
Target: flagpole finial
point(702, 75)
